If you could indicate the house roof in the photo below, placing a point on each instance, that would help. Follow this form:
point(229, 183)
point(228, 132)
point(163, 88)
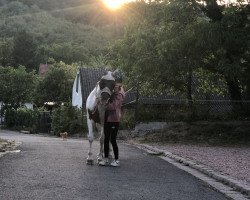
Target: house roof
point(89, 77)
point(43, 68)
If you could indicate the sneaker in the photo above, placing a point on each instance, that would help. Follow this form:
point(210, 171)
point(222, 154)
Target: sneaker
point(104, 162)
point(115, 163)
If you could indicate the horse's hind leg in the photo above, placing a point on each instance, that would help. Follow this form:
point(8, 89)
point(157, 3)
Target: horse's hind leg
point(90, 160)
point(100, 131)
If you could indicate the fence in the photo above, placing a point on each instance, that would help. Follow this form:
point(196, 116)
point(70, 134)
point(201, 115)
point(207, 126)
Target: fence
point(44, 122)
point(168, 110)
point(182, 110)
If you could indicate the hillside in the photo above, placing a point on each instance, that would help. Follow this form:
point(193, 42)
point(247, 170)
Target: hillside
point(67, 30)
point(50, 4)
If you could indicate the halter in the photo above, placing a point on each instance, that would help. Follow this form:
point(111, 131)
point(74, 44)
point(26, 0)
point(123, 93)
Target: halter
point(98, 94)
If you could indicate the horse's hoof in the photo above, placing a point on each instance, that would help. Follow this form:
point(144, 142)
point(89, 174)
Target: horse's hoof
point(90, 162)
point(99, 159)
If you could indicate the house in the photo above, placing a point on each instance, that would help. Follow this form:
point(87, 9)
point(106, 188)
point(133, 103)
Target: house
point(85, 81)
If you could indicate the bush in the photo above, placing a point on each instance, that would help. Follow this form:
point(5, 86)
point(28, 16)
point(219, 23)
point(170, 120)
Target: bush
point(22, 119)
point(67, 119)
point(128, 119)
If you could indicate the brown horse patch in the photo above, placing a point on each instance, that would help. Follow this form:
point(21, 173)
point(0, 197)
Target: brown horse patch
point(94, 115)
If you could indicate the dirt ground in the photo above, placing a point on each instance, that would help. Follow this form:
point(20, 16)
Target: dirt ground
point(231, 161)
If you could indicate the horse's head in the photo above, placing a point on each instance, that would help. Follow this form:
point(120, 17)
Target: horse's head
point(106, 85)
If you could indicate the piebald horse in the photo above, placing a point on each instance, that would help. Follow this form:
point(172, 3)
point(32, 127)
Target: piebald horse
point(96, 106)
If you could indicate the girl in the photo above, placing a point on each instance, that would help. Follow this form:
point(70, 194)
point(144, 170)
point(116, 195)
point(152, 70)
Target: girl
point(111, 125)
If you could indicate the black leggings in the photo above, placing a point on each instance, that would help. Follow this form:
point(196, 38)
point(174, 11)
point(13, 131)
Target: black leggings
point(110, 133)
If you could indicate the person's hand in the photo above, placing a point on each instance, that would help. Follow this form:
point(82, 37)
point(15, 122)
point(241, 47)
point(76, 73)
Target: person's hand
point(122, 89)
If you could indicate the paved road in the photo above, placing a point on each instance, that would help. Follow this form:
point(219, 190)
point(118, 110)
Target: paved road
point(49, 168)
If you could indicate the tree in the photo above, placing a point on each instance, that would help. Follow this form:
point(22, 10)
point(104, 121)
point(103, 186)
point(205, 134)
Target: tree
point(227, 39)
point(17, 86)
point(24, 51)
point(168, 40)
point(159, 50)
point(6, 49)
point(69, 53)
point(56, 85)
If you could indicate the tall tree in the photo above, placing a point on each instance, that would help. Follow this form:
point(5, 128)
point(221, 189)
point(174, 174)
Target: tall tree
point(6, 49)
point(168, 40)
point(17, 86)
point(158, 46)
point(24, 50)
point(56, 85)
point(228, 45)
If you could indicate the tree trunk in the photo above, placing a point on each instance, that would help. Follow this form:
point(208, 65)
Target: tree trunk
point(189, 93)
point(137, 104)
point(248, 85)
point(235, 94)
point(189, 87)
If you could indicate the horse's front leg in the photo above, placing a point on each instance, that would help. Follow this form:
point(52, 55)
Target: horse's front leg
point(101, 133)
point(90, 160)
point(100, 156)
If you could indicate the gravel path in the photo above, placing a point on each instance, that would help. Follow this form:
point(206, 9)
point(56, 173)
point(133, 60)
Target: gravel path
point(232, 161)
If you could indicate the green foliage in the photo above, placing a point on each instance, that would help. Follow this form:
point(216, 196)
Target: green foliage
point(67, 119)
point(168, 42)
point(159, 47)
point(17, 86)
point(207, 83)
point(13, 8)
point(128, 119)
point(68, 53)
point(24, 50)
point(6, 52)
point(52, 34)
point(53, 4)
point(56, 85)
point(22, 119)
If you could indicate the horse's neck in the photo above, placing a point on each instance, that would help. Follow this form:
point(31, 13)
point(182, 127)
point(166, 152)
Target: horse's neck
point(92, 100)
point(97, 92)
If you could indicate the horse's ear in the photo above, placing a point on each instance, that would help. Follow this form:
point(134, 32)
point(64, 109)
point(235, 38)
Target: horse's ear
point(118, 75)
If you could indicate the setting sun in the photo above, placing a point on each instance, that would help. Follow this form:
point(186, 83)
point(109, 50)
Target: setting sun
point(114, 4)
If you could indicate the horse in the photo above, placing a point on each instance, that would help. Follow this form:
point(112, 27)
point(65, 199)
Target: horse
point(96, 106)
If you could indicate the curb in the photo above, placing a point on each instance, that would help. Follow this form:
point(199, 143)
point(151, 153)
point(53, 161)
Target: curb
point(237, 185)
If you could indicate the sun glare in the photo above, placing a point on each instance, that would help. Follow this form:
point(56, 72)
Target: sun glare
point(114, 4)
